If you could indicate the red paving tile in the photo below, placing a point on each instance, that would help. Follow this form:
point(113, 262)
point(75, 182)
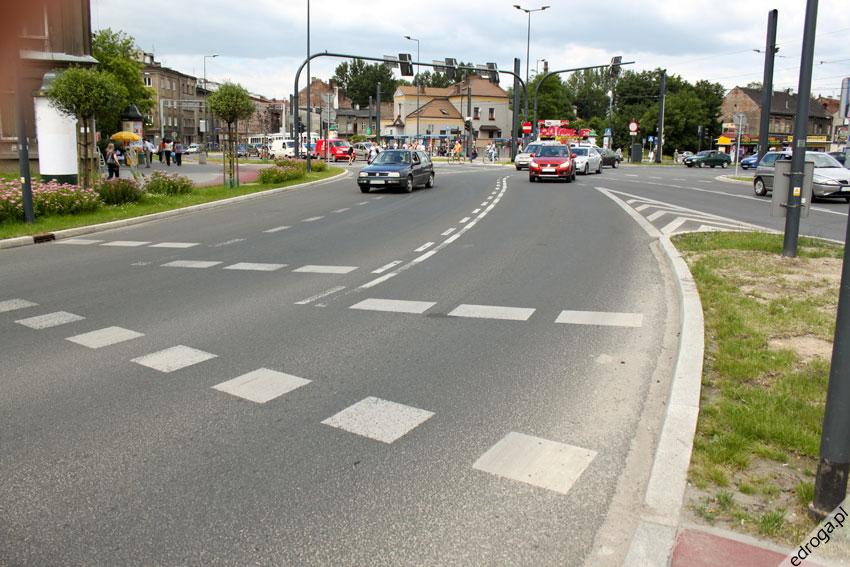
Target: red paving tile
point(701, 549)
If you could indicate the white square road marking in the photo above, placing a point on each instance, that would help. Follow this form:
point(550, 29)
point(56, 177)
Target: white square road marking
point(325, 269)
point(492, 312)
point(173, 358)
point(539, 462)
point(105, 337)
point(126, 243)
point(14, 304)
point(49, 320)
point(261, 385)
point(190, 264)
point(252, 266)
point(379, 419)
point(602, 318)
point(394, 305)
point(175, 245)
point(80, 241)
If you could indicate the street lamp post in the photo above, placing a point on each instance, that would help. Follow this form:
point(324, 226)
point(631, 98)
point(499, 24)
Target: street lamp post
point(528, 45)
point(417, 85)
point(206, 110)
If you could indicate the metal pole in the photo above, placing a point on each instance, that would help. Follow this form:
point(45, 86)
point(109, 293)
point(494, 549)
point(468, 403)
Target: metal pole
point(309, 81)
point(23, 146)
point(659, 143)
point(417, 92)
point(469, 113)
point(798, 157)
point(527, 52)
point(369, 119)
point(378, 113)
point(515, 131)
point(767, 83)
point(834, 465)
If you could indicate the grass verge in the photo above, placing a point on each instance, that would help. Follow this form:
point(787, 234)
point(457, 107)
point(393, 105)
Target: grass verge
point(769, 325)
point(151, 203)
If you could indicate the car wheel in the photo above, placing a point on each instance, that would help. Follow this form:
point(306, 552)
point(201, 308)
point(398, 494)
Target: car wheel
point(758, 187)
point(586, 170)
point(701, 164)
point(430, 182)
point(531, 179)
point(408, 188)
point(518, 168)
point(599, 169)
point(724, 165)
point(364, 188)
point(847, 199)
point(616, 164)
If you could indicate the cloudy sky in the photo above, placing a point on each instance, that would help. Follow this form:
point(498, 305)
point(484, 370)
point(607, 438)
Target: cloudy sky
point(261, 43)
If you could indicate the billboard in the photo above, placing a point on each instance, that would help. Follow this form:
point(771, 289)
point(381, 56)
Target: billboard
point(844, 109)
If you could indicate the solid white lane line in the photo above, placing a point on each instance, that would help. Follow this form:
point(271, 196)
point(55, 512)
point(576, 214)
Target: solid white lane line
point(424, 256)
point(325, 293)
point(378, 198)
point(80, 241)
point(464, 219)
point(254, 266)
point(174, 358)
point(379, 280)
point(485, 203)
point(49, 320)
point(200, 264)
point(448, 232)
point(492, 312)
point(15, 304)
point(381, 420)
point(325, 269)
point(424, 247)
point(539, 462)
point(126, 243)
point(104, 337)
point(394, 305)
point(342, 210)
point(312, 219)
point(386, 267)
point(602, 318)
point(261, 385)
point(175, 245)
point(476, 211)
point(277, 229)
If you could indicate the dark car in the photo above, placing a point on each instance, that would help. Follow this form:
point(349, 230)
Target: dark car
point(750, 162)
point(711, 158)
point(241, 150)
point(552, 162)
point(397, 168)
point(610, 157)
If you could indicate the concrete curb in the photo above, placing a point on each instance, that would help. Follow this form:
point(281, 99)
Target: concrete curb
point(655, 536)
point(726, 179)
point(90, 229)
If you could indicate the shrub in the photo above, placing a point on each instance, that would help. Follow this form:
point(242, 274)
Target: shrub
point(280, 174)
point(166, 184)
point(318, 165)
point(48, 199)
point(291, 163)
point(119, 191)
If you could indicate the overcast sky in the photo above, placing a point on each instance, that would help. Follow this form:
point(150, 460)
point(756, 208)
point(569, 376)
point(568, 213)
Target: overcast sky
point(261, 43)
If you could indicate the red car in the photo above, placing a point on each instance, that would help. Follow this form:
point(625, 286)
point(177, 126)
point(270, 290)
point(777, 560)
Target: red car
point(552, 162)
point(337, 149)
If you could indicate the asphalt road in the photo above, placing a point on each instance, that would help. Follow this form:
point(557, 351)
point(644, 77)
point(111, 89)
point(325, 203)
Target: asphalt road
point(468, 375)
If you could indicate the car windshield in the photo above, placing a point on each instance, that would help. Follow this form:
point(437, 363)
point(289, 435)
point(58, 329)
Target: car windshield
point(553, 151)
point(822, 160)
point(704, 153)
point(532, 149)
point(391, 156)
point(580, 151)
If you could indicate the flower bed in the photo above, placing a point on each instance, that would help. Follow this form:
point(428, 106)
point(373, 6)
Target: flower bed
point(48, 199)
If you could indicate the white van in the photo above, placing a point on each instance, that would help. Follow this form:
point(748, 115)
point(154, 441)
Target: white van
point(282, 148)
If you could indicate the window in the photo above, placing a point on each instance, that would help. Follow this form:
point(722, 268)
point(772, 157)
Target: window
point(147, 80)
point(7, 115)
point(35, 24)
point(491, 114)
point(768, 159)
point(475, 113)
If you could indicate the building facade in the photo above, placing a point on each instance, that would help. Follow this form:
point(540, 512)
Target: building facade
point(178, 108)
point(832, 106)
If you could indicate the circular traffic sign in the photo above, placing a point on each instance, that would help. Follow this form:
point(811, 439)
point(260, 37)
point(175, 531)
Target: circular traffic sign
point(633, 126)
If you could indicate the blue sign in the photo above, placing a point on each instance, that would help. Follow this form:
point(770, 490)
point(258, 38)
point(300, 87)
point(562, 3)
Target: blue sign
point(650, 138)
point(608, 132)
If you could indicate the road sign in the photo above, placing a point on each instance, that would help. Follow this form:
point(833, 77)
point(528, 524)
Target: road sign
point(649, 139)
point(368, 131)
point(607, 132)
point(526, 127)
point(633, 126)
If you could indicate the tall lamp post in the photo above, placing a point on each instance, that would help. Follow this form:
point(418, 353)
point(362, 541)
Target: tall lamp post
point(417, 85)
point(528, 45)
point(206, 109)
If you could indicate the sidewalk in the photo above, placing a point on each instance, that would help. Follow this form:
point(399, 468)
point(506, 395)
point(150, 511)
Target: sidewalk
point(202, 175)
point(703, 547)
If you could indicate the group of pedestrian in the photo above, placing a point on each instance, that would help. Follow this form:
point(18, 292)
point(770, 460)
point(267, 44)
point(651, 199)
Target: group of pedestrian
point(492, 151)
point(171, 149)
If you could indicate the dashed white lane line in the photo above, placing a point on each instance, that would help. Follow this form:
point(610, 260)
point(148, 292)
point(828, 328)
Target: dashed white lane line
point(630, 175)
point(312, 219)
point(342, 210)
point(199, 264)
point(602, 318)
point(325, 269)
point(378, 198)
point(448, 232)
point(654, 177)
point(540, 462)
point(362, 203)
point(126, 243)
point(424, 247)
point(394, 305)
point(175, 245)
point(703, 181)
point(80, 241)
point(227, 242)
point(492, 312)
point(254, 266)
point(464, 220)
point(277, 229)
point(386, 267)
point(485, 203)
point(261, 385)
point(15, 304)
point(379, 280)
point(49, 320)
point(105, 337)
point(679, 179)
point(476, 211)
point(424, 256)
point(318, 296)
point(173, 358)
point(381, 420)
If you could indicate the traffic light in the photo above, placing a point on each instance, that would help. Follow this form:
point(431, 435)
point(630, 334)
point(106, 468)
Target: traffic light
point(451, 68)
point(493, 72)
point(614, 71)
point(404, 65)
point(467, 124)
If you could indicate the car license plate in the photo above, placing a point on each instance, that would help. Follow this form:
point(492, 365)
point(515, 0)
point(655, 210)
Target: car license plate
point(845, 188)
point(548, 170)
point(378, 182)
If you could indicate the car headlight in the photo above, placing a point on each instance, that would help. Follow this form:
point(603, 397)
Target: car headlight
point(363, 174)
point(392, 174)
point(564, 165)
point(532, 163)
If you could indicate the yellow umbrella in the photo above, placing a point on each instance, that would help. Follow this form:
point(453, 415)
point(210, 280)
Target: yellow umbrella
point(125, 136)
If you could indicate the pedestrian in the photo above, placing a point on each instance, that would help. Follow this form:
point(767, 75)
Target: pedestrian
point(112, 157)
point(149, 149)
point(161, 150)
point(350, 155)
point(169, 151)
point(178, 152)
point(373, 152)
point(676, 155)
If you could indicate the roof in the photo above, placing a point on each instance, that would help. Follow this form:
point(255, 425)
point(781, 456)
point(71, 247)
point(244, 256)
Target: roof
point(783, 102)
point(438, 108)
point(831, 105)
point(480, 87)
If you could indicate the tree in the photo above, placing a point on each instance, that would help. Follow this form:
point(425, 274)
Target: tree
point(85, 93)
point(588, 90)
point(429, 79)
point(359, 81)
point(231, 103)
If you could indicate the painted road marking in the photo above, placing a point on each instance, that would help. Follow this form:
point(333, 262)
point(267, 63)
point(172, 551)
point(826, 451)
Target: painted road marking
point(492, 312)
point(227, 242)
point(452, 238)
point(362, 203)
point(49, 320)
point(14, 304)
point(379, 280)
point(342, 210)
point(485, 203)
point(173, 358)
point(105, 337)
point(378, 419)
point(80, 241)
point(277, 229)
point(175, 245)
point(126, 243)
point(602, 318)
point(190, 264)
point(325, 269)
point(424, 247)
point(424, 256)
point(448, 232)
point(464, 219)
point(476, 211)
point(261, 385)
point(325, 293)
point(254, 266)
point(630, 175)
point(386, 267)
point(312, 219)
point(535, 461)
point(394, 305)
